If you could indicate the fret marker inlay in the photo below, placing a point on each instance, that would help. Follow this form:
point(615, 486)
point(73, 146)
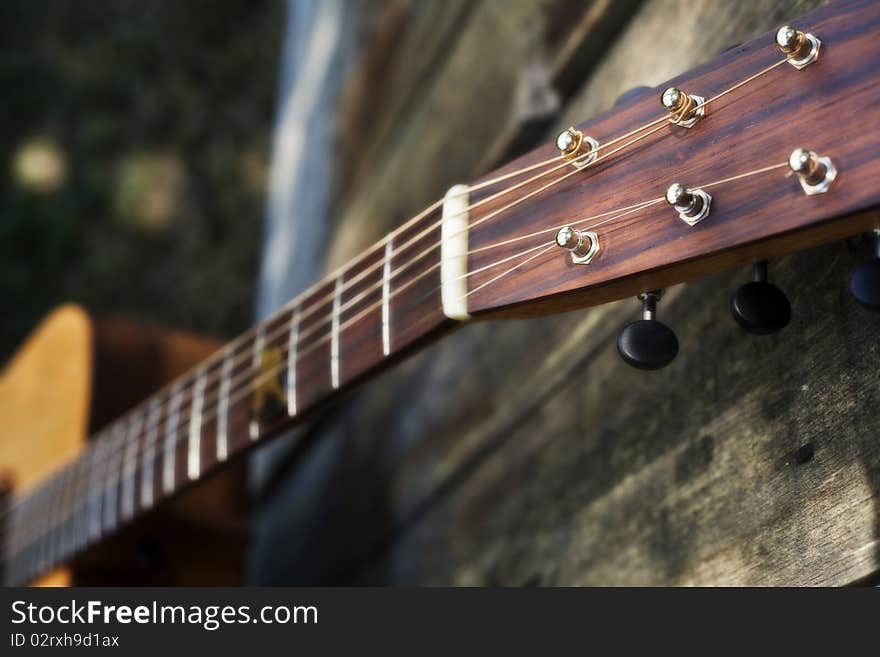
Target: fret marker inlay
point(334, 337)
point(386, 294)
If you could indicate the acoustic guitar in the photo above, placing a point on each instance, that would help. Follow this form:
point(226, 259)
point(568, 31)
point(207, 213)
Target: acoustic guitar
point(771, 148)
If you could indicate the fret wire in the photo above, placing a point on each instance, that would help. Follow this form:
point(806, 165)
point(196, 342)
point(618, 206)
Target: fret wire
point(193, 464)
point(293, 344)
point(81, 524)
point(73, 510)
point(48, 510)
point(64, 510)
point(223, 407)
point(169, 445)
point(82, 492)
point(130, 466)
point(33, 533)
point(33, 564)
point(259, 345)
point(111, 485)
point(148, 475)
point(48, 547)
point(68, 474)
point(386, 307)
point(96, 490)
point(334, 335)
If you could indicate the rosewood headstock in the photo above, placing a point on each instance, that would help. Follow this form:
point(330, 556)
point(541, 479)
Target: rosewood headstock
point(728, 133)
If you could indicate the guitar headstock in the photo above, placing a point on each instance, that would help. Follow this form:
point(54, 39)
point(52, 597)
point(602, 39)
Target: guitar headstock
point(704, 174)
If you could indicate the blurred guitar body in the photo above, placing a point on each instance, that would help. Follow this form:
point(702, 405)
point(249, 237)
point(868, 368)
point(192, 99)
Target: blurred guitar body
point(74, 374)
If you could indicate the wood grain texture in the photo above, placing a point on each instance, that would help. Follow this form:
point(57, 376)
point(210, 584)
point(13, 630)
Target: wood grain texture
point(750, 460)
point(460, 68)
point(756, 126)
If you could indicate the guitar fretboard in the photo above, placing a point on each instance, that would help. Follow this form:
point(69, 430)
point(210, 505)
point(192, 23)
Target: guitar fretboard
point(344, 328)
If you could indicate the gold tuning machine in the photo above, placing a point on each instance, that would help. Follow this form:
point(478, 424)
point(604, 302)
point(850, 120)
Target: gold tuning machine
point(692, 205)
point(802, 48)
point(815, 172)
point(583, 244)
point(684, 109)
point(577, 147)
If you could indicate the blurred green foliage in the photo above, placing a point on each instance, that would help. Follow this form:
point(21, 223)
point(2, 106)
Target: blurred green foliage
point(135, 139)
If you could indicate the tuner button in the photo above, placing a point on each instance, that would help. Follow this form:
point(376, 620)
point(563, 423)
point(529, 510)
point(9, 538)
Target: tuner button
point(788, 38)
point(568, 140)
point(759, 306)
point(865, 281)
point(647, 344)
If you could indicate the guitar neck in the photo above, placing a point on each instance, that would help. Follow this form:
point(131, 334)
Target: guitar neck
point(347, 327)
point(488, 250)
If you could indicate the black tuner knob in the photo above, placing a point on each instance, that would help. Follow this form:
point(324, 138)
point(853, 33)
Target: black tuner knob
point(759, 306)
point(648, 344)
point(865, 281)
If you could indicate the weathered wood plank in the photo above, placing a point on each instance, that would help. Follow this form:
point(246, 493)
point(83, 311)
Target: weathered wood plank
point(450, 121)
point(525, 452)
point(752, 465)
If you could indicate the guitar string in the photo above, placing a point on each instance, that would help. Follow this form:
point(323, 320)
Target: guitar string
point(64, 517)
point(71, 512)
point(242, 358)
point(435, 206)
point(123, 443)
point(57, 523)
point(315, 305)
point(180, 435)
point(246, 375)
